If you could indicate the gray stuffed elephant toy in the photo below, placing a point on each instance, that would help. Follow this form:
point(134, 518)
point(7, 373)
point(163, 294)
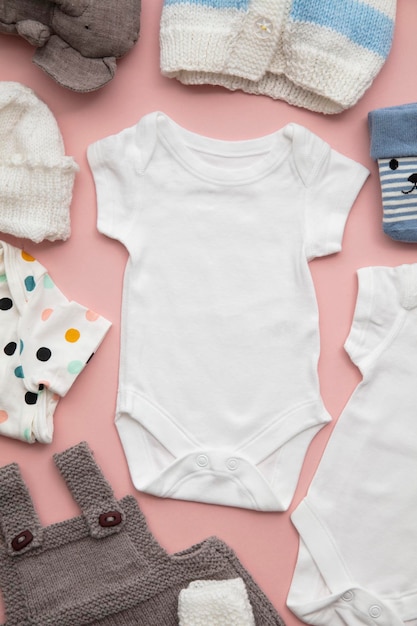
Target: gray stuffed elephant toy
point(77, 41)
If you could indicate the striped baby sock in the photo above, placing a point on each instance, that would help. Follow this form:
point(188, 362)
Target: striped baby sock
point(393, 132)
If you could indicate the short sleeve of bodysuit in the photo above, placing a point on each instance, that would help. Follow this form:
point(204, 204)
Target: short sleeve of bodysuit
point(116, 162)
point(378, 303)
point(332, 182)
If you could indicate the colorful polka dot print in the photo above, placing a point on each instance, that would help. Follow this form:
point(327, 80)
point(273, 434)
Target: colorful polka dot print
point(5, 304)
point(18, 372)
point(75, 367)
point(10, 348)
point(27, 257)
point(46, 341)
point(43, 354)
point(30, 283)
point(48, 282)
point(46, 313)
point(72, 335)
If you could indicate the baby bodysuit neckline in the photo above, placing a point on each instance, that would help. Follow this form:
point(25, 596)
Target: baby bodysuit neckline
point(188, 146)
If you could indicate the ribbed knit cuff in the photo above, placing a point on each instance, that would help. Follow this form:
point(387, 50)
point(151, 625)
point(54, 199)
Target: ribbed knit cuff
point(35, 201)
point(328, 66)
point(393, 131)
point(187, 43)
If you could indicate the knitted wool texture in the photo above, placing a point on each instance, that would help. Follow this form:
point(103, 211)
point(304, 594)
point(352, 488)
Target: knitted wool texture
point(103, 567)
point(215, 603)
point(393, 135)
point(36, 178)
point(320, 54)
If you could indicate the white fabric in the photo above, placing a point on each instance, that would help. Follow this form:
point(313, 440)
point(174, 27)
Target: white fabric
point(36, 178)
point(45, 342)
point(357, 562)
point(215, 603)
point(218, 396)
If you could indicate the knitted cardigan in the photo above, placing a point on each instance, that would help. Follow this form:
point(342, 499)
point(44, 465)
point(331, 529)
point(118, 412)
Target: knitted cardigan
point(317, 54)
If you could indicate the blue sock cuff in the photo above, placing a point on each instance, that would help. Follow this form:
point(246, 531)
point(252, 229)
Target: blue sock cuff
point(393, 131)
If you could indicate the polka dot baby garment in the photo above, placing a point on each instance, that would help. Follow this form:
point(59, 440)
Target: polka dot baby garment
point(45, 341)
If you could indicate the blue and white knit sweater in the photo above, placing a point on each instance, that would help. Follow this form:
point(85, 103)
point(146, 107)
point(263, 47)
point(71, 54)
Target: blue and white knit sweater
point(317, 54)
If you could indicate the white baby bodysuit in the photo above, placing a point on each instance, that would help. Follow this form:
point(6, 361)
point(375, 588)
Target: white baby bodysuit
point(357, 563)
point(218, 392)
point(45, 341)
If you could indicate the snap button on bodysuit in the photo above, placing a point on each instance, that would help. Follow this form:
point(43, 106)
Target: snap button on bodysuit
point(22, 540)
point(348, 596)
point(232, 464)
point(375, 610)
point(111, 518)
point(202, 460)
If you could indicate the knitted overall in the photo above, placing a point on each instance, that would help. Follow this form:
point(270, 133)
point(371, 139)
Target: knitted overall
point(103, 567)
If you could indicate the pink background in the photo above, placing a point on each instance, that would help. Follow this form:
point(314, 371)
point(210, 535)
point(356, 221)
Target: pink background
point(89, 268)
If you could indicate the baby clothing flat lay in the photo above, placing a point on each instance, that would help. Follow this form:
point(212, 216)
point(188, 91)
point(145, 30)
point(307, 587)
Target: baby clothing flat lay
point(218, 397)
point(104, 567)
point(218, 392)
point(317, 54)
point(356, 563)
point(45, 341)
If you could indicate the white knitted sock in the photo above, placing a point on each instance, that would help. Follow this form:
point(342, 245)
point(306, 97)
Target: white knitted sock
point(215, 603)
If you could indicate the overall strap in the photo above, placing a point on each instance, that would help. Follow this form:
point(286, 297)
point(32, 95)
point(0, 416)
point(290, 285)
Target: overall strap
point(19, 522)
point(90, 490)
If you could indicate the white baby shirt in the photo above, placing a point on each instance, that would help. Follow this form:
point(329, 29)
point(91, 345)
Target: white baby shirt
point(45, 341)
point(218, 392)
point(357, 562)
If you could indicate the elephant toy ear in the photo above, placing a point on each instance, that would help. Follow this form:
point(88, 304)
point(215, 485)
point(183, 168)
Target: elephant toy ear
point(70, 69)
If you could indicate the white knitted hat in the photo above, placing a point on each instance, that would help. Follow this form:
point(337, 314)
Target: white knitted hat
point(36, 178)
